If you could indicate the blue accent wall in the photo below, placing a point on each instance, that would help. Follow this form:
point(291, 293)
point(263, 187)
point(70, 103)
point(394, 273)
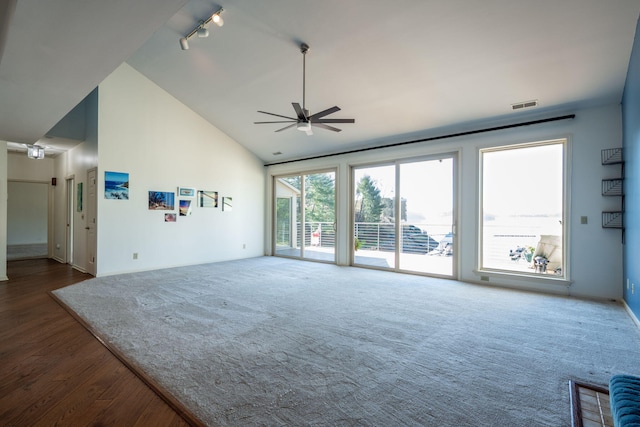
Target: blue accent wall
point(631, 144)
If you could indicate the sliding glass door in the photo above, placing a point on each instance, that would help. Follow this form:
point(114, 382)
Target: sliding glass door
point(426, 196)
point(404, 216)
point(305, 216)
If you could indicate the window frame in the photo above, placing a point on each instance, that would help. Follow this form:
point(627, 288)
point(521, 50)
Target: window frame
point(563, 279)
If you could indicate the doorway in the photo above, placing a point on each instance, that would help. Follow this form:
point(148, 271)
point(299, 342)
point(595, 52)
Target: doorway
point(305, 218)
point(70, 190)
point(91, 221)
point(27, 220)
point(403, 216)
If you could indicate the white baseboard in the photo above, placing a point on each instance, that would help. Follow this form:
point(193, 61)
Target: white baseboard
point(631, 314)
point(77, 267)
point(60, 260)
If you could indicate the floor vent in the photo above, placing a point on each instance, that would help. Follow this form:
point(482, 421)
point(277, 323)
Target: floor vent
point(525, 104)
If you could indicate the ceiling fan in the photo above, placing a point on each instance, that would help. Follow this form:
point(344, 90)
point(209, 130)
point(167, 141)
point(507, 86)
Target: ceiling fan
point(304, 121)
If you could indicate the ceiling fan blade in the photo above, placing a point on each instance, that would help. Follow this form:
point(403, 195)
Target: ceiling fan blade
point(277, 115)
point(282, 121)
point(299, 111)
point(324, 113)
point(335, 121)
point(286, 127)
point(323, 126)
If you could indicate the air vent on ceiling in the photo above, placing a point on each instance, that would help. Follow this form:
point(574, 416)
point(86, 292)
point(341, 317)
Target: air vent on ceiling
point(525, 104)
point(277, 153)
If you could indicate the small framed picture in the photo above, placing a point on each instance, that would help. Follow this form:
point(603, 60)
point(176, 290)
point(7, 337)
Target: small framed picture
point(208, 199)
point(186, 192)
point(170, 217)
point(161, 201)
point(185, 207)
point(227, 204)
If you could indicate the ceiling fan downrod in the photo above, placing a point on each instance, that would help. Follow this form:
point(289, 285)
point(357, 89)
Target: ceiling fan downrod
point(304, 48)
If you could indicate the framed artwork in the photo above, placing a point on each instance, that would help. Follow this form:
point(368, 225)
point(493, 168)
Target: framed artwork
point(79, 198)
point(186, 192)
point(227, 204)
point(161, 201)
point(116, 185)
point(170, 217)
point(208, 199)
point(185, 207)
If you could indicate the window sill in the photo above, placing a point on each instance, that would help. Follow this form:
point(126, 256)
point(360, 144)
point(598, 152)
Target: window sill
point(530, 278)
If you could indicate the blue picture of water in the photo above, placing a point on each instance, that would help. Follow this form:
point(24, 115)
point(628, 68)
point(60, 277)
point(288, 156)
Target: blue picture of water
point(116, 185)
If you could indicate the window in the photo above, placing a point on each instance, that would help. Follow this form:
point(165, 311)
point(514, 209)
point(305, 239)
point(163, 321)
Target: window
point(522, 206)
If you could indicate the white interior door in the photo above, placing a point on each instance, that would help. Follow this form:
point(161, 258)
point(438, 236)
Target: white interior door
point(69, 232)
point(92, 223)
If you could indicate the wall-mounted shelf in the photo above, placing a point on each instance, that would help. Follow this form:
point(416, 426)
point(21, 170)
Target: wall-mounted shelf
point(612, 219)
point(613, 187)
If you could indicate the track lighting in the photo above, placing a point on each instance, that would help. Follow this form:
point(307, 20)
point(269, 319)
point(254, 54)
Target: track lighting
point(201, 30)
point(35, 152)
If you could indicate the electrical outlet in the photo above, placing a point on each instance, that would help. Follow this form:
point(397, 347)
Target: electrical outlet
point(135, 255)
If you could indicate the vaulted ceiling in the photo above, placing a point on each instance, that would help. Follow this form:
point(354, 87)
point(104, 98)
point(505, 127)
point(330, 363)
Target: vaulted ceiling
point(401, 69)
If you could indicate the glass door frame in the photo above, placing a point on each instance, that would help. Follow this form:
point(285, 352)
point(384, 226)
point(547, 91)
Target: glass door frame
point(454, 156)
point(302, 237)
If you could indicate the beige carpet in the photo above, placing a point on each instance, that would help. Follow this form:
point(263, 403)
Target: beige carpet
point(272, 341)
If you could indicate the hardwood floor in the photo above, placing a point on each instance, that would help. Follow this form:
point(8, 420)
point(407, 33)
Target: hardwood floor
point(53, 371)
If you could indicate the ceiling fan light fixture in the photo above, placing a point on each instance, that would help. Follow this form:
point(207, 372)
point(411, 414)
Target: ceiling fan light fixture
point(303, 126)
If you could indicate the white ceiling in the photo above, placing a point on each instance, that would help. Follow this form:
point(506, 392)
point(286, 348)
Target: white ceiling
point(401, 69)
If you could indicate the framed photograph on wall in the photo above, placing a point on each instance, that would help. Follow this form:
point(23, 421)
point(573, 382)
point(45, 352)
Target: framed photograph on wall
point(186, 192)
point(116, 185)
point(208, 199)
point(227, 204)
point(79, 198)
point(170, 217)
point(161, 201)
point(185, 207)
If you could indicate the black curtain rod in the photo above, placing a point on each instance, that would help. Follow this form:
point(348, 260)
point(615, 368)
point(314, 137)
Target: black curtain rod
point(433, 138)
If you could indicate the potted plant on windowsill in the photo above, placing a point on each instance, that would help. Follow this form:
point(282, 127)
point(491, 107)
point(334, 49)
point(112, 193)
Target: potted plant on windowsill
point(528, 254)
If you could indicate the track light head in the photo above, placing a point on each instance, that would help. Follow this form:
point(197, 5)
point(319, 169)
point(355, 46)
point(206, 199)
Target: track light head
point(203, 32)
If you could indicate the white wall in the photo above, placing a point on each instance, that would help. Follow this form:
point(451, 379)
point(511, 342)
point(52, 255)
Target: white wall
point(162, 144)
point(3, 210)
point(74, 164)
point(27, 213)
point(595, 253)
point(22, 168)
